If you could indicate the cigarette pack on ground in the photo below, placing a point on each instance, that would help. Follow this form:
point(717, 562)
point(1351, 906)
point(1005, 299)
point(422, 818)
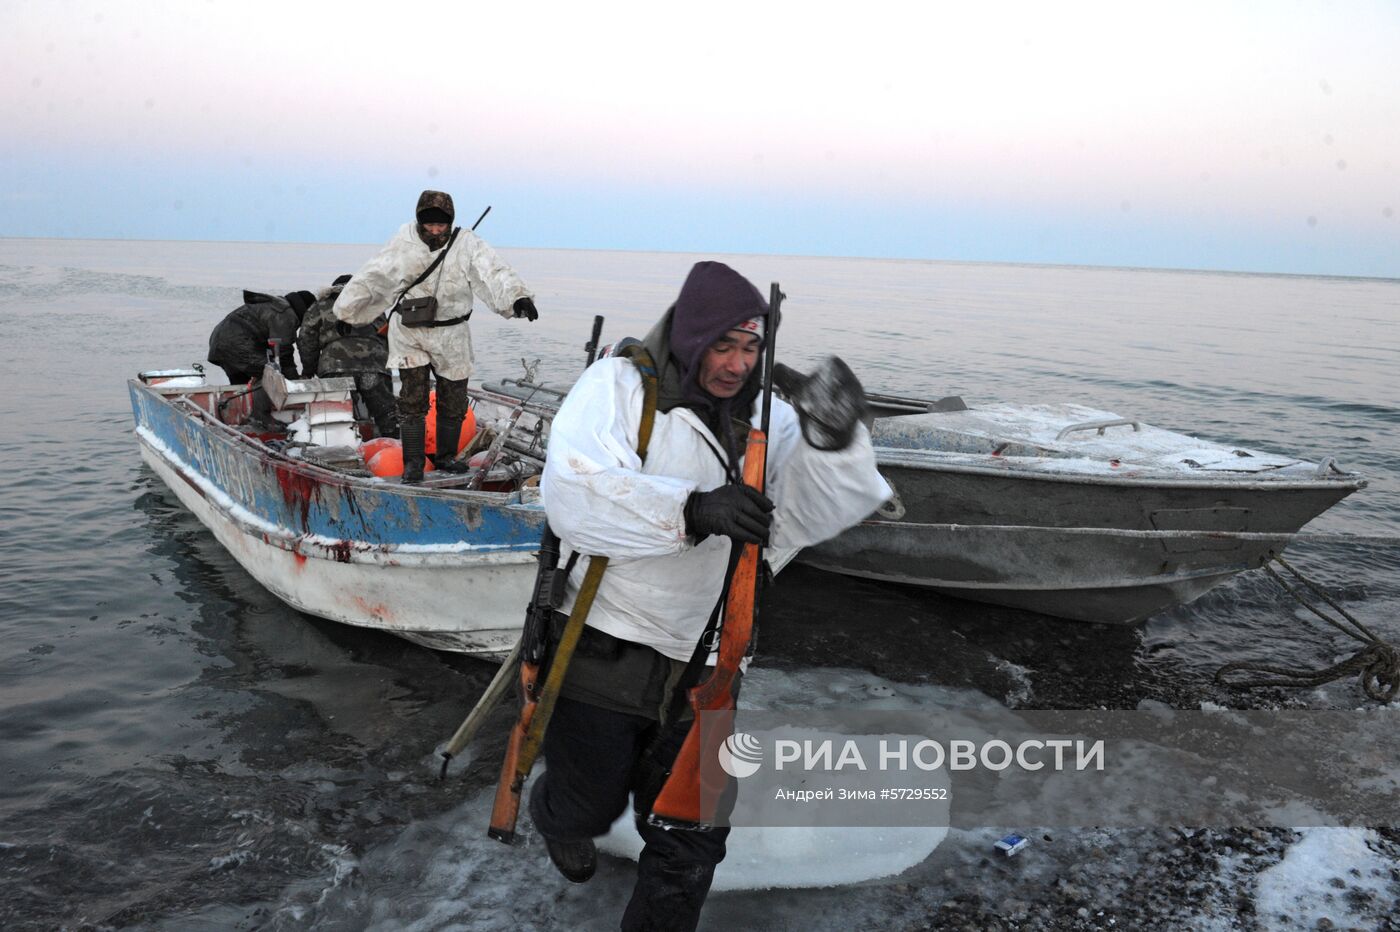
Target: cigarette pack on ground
point(1010, 844)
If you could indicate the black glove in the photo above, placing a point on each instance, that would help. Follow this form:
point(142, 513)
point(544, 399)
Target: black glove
point(343, 328)
point(830, 402)
point(735, 511)
point(525, 307)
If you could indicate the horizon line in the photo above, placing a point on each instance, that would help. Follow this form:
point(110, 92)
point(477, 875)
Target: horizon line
point(776, 255)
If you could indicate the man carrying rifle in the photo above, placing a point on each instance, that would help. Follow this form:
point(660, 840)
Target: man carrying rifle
point(667, 524)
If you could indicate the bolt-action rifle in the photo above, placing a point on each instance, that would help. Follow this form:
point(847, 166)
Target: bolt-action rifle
point(548, 595)
point(534, 647)
point(539, 689)
point(690, 797)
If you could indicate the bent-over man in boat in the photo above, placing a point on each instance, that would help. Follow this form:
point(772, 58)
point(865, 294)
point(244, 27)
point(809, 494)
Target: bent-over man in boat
point(240, 342)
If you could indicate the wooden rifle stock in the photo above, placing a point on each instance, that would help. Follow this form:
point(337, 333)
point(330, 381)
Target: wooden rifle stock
point(537, 706)
point(506, 809)
point(690, 796)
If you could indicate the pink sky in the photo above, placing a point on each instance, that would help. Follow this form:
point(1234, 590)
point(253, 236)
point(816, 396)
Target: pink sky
point(1248, 114)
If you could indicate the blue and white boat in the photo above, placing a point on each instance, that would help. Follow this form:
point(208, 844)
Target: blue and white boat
point(439, 564)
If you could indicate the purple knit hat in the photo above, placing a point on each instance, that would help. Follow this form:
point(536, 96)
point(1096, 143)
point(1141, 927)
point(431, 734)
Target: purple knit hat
point(712, 301)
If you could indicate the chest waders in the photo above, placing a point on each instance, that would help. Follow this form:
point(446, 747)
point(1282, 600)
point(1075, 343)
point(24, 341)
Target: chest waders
point(537, 699)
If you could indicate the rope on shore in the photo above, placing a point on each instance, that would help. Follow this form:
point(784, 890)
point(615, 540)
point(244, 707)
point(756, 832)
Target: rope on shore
point(1377, 663)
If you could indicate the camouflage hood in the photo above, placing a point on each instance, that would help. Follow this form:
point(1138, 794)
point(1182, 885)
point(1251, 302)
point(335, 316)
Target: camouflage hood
point(434, 207)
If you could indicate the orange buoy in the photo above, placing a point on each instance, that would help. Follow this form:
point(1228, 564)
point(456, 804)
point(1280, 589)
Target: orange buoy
point(468, 430)
point(430, 432)
point(388, 463)
point(370, 447)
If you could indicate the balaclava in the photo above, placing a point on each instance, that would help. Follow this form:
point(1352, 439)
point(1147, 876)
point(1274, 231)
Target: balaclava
point(434, 207)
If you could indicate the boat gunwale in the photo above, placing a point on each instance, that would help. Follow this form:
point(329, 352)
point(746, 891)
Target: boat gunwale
point(926, 461)
point(1120, 583)
point(315, 471)
point(336, 550)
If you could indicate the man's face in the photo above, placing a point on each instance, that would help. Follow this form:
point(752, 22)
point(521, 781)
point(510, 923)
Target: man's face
point(726, 365)
point(435, 229)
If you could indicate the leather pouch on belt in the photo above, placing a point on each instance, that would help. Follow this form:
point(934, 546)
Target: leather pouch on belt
point(418, 312)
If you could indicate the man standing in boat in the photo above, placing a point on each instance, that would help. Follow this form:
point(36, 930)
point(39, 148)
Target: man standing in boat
point(426, 279)
point(332, 348)
point(668, 523)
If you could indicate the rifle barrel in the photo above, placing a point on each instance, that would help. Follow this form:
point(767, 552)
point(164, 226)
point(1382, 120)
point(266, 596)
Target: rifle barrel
point(592, 346)
point(775, 301)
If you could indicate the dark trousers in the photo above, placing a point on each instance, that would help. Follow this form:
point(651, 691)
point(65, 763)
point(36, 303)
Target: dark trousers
point(376, 390)
point(240, 377)
point(595, 759)
point(262, 404)
point(452, 396)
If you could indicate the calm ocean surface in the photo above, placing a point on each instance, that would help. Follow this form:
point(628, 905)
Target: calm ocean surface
point(180, 750)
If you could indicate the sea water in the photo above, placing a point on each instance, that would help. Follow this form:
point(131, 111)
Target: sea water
point(180, 750)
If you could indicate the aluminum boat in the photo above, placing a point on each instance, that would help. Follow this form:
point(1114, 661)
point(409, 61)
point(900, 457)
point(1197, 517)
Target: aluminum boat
point(1071, 511)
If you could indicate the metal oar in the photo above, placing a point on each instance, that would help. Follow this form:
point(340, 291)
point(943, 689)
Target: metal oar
point(497, 688)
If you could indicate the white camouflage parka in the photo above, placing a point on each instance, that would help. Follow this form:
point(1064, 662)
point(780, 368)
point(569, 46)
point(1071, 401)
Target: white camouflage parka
point(602, 499)
point(471, 270)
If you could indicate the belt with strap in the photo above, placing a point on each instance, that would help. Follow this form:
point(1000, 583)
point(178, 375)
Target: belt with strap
point(449, 322)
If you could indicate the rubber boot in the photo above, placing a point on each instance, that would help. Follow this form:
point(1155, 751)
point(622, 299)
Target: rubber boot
point(576, 860)
point(449, 431)
point(452, 404)
point(413, 433)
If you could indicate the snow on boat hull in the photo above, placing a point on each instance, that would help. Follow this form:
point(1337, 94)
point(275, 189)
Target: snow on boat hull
point(447, 569)
point(1020, 506)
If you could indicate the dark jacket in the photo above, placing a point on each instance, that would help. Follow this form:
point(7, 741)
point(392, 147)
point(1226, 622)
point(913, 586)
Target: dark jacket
point(331, 347)
point(239, 341)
